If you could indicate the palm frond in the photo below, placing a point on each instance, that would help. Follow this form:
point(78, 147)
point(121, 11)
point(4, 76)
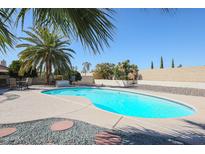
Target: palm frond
point(7, 39)
point(93, 27)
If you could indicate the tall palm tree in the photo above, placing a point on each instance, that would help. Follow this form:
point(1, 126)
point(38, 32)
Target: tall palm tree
point(46, 51)
point(6, 37)
point(86, 67)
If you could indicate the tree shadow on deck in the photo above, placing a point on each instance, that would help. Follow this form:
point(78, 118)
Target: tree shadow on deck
point(133, 136)
point(199, 125)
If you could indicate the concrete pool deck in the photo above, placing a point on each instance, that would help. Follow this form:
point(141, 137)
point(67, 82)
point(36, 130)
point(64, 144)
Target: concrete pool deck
point(33, 105)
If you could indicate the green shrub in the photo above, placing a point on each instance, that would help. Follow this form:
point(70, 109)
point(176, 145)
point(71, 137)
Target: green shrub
point(77, 75)
point(125, 71)
point(104, 71)
point(71, 75)
point(16, 72)
point(122, 71)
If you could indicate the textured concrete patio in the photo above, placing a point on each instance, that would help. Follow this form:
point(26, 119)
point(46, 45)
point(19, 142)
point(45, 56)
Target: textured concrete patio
point(29, 105)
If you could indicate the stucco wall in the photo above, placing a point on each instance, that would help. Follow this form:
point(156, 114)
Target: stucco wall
point(187, 74)
point(38, 81)
point(120, 83)
point(86, 80)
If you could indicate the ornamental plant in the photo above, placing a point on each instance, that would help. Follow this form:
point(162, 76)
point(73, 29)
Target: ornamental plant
point(122, 71)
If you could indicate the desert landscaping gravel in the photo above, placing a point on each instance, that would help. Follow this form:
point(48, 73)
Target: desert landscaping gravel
point(39, 133)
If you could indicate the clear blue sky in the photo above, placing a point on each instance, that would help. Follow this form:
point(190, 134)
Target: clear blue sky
point(145, 35)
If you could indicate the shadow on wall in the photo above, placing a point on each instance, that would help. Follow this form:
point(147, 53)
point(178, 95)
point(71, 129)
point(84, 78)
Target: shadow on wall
point(140, 77)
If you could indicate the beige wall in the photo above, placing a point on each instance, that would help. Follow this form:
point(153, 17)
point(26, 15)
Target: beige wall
point(186, 74)
point(118, 83)
point(38, 81)
point(86, 80)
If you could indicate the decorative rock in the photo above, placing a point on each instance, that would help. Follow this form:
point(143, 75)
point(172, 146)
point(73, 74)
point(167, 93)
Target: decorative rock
point(61, 125)
point(6, 131)
point(107, 138)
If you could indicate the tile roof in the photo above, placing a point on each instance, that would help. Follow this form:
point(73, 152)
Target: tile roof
point(3, 68)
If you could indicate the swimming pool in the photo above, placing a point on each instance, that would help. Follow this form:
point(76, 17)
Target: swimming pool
point(127, 103)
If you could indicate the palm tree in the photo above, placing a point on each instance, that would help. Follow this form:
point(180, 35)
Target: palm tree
point(45, 51)
point(86, 67)
point(92, 26)
point(6, 37)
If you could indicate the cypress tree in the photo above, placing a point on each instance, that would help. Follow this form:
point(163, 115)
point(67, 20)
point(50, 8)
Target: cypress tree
point(173, 63)
point(161, 63)
point(152, 65)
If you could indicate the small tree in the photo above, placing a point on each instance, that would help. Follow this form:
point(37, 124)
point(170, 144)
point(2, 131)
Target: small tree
point(152, 65)
point(125, 71)
point(173, 63)
point(104, 71)
point(179, 66)
point(16, 71)
point(74, 76)
point(14, 68)
point(161, 63)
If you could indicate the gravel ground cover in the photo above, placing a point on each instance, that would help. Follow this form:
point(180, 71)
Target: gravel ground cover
point(38, 132)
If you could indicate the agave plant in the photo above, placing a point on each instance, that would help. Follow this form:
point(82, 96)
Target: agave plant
point(45, 50)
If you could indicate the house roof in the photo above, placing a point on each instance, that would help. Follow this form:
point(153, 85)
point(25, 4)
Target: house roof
point(3, 68)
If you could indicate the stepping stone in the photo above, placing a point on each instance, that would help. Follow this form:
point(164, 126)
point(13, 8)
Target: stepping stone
point(49, 143)
point(6, 131)
point(107, 138)
point(106, 135)
point(61, 125)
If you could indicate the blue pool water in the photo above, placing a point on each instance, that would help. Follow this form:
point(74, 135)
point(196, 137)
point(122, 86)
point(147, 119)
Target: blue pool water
point(127, 103)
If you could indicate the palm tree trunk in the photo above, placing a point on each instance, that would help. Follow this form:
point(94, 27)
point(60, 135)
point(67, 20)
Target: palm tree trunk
point(47, 73)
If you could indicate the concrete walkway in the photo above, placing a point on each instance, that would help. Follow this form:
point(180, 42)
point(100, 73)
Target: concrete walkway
point(32, 105)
